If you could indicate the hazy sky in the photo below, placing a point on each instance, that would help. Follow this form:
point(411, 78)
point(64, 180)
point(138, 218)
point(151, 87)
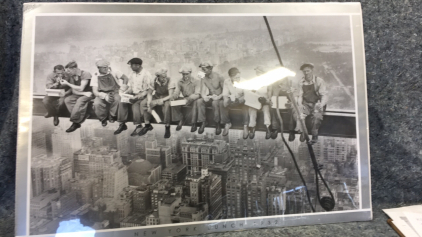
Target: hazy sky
point(55, 29)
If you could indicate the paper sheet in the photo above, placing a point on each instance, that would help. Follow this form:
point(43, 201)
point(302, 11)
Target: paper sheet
point(401, 220)
point(124, 98)
point(156, 117)
point(415, 220)
point(232, 97)
point(251, 99)
point(178, 102)
point(55, 92)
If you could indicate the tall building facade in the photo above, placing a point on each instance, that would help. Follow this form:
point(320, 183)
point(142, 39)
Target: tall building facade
point(157, 154)
point(115, 179)
point(200, 153)
point(39, 145)
point(65, 144)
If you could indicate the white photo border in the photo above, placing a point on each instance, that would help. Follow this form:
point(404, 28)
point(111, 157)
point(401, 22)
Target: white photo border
point(23, 170)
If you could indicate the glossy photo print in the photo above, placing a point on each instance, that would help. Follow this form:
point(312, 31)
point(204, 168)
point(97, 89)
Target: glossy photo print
point(177, 120)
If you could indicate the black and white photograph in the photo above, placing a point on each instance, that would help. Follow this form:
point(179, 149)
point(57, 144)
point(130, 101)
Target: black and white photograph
point(142, 120)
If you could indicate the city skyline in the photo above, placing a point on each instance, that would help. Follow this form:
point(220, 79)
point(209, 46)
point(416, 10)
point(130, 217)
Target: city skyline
point(189, 177)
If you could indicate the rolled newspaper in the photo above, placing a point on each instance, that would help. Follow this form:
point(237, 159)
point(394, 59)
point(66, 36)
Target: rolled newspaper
point(55, 92)
point(125, 98)
point(178, 102)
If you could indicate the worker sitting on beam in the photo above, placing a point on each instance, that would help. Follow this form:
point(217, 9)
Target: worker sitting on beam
point(212, 85)
point(139, 86)
point(249, 114)
point(77, 103)
point(105, 86)
point(190, 90)
point(54, 103)
point(312, 100)
point(163, 91)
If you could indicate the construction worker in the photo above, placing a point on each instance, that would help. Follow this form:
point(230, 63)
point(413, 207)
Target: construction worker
point(281, 88)
point(105, 86)
point(211, 92)
point(266, 103)
point(230, 92)
point(77, 103)
point(190, 89)
point(54, 103)
point(312, 100)
point(140, 86)
point(163, 92)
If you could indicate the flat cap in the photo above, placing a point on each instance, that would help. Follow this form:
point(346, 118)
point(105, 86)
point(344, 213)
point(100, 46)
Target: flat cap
point(206, 64)
point(71, 64)
point(185, 69)
point(161, 72)
point(102, 63)
point(306, 65)
point(135, 61)
point(260, 68)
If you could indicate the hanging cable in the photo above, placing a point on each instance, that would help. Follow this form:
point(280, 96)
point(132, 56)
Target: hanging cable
point(294, 161)
point(327, 203)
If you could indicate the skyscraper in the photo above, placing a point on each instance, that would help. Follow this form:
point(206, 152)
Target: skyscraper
point(276, 199)
point(234, 136)
point(123, 143)
point(39, 145)
point(109, 139)
point(141, 198)
point(246, 160)
point(65, 144)
point(143, 172)
point(115, 178)
point(176, 149)
point(45, 174)
point(66, 173)
point(200, 153)
point(211, 192)
point(166, 208)
point(83, 190)
point(157, 154)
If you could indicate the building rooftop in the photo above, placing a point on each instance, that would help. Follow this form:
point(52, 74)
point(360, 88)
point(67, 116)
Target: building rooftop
point(174, 168)
point(140, 166)
point(45, 195)
point(169, 200)
point(135, 219)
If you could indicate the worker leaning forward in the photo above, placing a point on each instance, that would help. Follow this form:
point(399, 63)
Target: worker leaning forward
point(53, 104)
point(212, 85)
point(235, 98)
point(266, 104)
point(190, 89)
point(312, 100)
point(78, 101)
point(163, 92)
point(281, 88)
point(105, 86)
point(140, 86)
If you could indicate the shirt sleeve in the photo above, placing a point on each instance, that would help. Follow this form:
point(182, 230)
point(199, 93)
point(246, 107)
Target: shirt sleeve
point(203, 88)
point(177, 90)
point(226, 91)
point(148, 83)
point(300, 91)
point(172, 84)
point(322, 87)
point(86, 76)
point(50, 82)
point(94, 81)
point(198, 86)
point(117, 74)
